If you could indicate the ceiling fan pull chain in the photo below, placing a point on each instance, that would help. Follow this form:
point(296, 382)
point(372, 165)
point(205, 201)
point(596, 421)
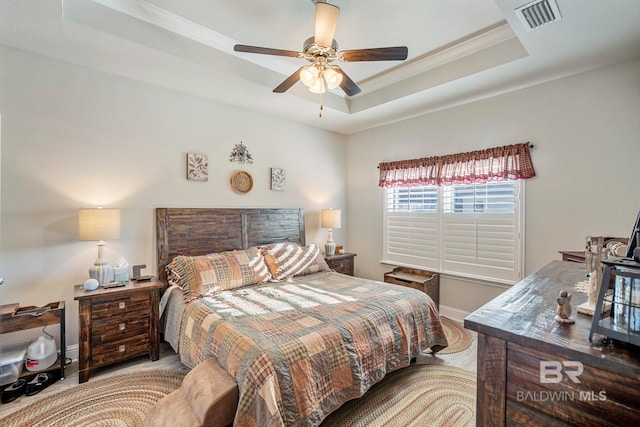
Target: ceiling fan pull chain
point(321, 106)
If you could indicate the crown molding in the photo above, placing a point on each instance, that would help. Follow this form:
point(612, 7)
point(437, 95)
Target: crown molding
point(169, 21)
point(488, 37)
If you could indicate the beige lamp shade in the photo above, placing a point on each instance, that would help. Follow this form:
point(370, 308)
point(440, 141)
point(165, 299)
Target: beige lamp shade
point(99, 224)
point(331, 218)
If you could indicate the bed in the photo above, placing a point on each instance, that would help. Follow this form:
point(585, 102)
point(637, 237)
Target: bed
point(299, 343)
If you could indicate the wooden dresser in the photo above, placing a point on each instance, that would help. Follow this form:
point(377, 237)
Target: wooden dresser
point(535, 371)
point(117, 324)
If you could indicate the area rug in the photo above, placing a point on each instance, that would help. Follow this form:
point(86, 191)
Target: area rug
point(416, 396)
point(458, 337)
point(121, 400)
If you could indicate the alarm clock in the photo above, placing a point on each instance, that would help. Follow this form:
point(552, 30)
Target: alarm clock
point(91, 285)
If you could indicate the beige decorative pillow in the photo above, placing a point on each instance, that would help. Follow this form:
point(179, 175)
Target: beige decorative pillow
point(206, 275)
point(290, 259)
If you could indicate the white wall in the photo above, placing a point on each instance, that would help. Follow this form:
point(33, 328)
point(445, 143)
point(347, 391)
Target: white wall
point(586, 131)
point(75, 138)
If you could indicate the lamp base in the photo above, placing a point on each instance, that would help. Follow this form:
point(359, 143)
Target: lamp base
point(101, 270)
point(330, 248)
point(102, 273)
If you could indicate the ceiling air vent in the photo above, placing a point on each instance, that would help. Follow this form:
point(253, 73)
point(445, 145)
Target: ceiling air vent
point(538, 13)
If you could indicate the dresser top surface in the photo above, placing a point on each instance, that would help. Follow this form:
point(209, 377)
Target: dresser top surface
point(525, 313)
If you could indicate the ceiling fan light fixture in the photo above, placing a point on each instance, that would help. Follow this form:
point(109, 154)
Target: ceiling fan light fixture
point(326, 21)
point(318, 87)
point(332, 77)
point(309, 75)
point(321, 50)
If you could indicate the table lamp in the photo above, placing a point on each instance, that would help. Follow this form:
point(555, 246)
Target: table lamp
point(331, 218)
point(99, 225)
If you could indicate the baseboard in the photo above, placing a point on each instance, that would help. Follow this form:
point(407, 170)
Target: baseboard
point(453, 313)
point(72, 352)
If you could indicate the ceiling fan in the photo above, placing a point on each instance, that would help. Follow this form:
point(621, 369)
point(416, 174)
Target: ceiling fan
point(322, 50)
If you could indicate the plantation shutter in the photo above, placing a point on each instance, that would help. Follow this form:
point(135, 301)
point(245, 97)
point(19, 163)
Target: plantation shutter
point(481, 230)
point(412, 226)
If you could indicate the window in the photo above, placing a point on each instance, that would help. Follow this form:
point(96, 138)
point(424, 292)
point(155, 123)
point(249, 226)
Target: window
point(471, 230)
point(458, 213)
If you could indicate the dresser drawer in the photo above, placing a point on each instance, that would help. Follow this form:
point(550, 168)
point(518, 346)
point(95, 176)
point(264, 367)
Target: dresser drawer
point(136, 304)
point(118, 329)
point(117, 351)
point(593, 397)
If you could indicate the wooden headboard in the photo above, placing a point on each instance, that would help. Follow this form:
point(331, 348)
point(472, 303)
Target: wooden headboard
point(201, 231)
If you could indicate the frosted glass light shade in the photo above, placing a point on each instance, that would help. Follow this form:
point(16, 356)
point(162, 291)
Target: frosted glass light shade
point(333, 78)
point(309, 75)
point(99, 224)
point(318, 87)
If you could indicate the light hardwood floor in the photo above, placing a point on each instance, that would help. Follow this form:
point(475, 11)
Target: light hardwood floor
point(169, 360)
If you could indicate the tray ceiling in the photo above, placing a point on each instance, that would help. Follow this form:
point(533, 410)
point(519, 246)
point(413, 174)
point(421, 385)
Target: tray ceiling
point(459, 50)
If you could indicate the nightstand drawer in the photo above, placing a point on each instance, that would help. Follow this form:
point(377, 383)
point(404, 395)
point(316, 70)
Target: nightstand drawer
point(136, 304)
point(105, 354)
point(117, 329)
point(341, 263)
point(344, 266)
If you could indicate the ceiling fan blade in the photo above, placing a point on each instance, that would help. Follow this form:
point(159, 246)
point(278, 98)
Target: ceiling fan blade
point(326, 21)
point(265, 50)
point(397, 53)
point(347, 85)
point(290, 81)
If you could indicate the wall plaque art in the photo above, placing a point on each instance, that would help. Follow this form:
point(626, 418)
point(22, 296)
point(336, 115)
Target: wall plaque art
point(197, 167)
point(278, 178)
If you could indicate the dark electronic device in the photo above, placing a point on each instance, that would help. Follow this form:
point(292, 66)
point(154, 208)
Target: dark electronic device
point(115, 284)
point(136, 273)
point(633, 251)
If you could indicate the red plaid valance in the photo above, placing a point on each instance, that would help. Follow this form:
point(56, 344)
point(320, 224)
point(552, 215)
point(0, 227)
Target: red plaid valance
point(491, 164)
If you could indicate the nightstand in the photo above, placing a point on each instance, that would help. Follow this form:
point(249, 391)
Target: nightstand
point(117, 324)
point(341, 263)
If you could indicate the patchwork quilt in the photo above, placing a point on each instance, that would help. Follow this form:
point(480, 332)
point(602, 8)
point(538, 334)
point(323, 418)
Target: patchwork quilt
point(299, 349)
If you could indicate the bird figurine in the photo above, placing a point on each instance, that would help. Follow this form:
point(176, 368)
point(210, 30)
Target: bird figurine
point(563, 311)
